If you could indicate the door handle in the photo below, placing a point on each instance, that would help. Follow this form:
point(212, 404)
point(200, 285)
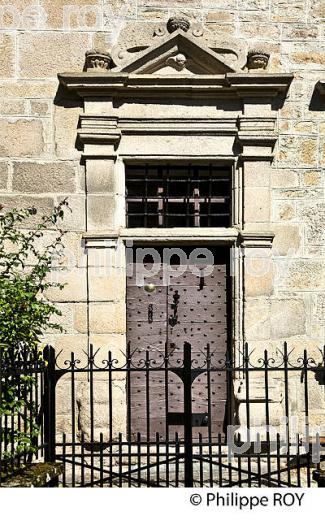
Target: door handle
point(150, 313)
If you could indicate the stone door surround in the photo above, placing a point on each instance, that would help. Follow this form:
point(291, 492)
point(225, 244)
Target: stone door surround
point(181, 100)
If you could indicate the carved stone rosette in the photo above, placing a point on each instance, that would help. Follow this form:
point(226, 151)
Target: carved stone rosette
point(97, 59)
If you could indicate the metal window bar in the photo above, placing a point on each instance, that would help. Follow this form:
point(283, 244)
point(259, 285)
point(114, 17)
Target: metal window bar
point(175, 196)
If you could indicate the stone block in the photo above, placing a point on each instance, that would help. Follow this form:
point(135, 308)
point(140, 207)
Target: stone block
point(296, 32)
point(4, 172)
point(101, 212)
point(179, 3)
point(74, 253)
point(67, 344)
point(306, 58)
point(66, 118)
point(285, 211)
point(66, 320)
point(7, 56)
point(305, 127)
point(257, 319)
point(106, 284)
point(257, 174)
point(152, 13)
point(108, 258)
point(72, 15)
point(287, 239)
point(44, 206)
point(21, 137)
point(322, 152)
point(313, 215)
point(113, 343)
point(256, 205)
point(287, 10)
point(75, 219)
point(291, 110)
point(311, 178)
point(100, 177)
point(13, 107)
point(107, 318)
point(32, 177)
point(80, 318)
point(317, 10)
point(288, 318)
point(44, 54)
point(220, 16)
point(306, 274)
point(284, 178)
point(29, 89)
point(75, 289)
point(264, 31)
point(298, 151)
point(320, 308)
point(211, 4)
point(217, 31)
point(100, 418)
point(259, 275)
point(40, 108)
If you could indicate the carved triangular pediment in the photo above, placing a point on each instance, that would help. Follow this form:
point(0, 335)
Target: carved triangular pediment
point(176, 53)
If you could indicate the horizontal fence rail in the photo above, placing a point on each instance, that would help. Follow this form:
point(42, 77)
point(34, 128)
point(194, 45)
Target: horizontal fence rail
point(151, 418)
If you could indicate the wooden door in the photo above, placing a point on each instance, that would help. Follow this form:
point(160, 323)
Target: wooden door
point(185, 305)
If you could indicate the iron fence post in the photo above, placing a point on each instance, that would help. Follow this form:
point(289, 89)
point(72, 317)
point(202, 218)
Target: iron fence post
point(188, 447)
point(49, 405)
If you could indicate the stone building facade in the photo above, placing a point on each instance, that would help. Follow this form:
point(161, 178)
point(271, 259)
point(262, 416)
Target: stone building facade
point(241, 84)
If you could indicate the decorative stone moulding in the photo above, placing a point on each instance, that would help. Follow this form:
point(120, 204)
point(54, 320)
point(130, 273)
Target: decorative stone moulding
point(97, 60)
point(196, 30)
point(180, 37)
point(256, 239)
point(257, 60)
point(174, 24)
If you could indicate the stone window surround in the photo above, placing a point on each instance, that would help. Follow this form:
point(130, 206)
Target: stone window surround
point(247, 142)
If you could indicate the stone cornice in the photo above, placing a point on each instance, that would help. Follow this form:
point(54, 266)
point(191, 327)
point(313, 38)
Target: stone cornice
point(320, 86)
point(233, 85)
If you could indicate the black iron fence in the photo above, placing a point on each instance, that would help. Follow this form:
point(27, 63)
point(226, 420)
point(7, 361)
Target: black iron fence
point(21, 408)
point(161, 419)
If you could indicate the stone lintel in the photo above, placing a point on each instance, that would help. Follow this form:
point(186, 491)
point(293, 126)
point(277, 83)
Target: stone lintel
point(257, 239)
